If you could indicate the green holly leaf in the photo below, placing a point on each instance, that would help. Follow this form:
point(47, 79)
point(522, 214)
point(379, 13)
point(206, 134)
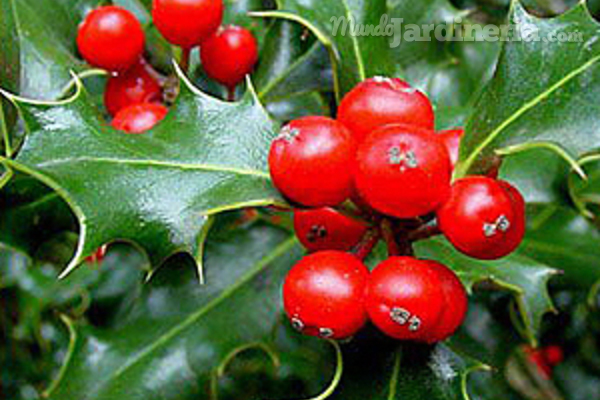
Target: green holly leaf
point(32, 214)
point(160, 189)
point(559, 237)
point(542, 93)
point(179, 337)
point(585, 193)
point(523, 276)
point(381, 369)
point(353, 57)
point(294, 68)
point(41, 49)
point(452, 73)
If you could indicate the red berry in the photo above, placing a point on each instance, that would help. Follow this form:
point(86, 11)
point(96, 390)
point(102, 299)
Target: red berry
point(451, 139)
point(311, 161)
point(536, 357)
point(403, 171)
point(553, 355)
point(98, 256)
point(323, 294)
point(456, 302)
point(136, 85)
point(139, 118)
point(327, 229)
point(414, 299)
point(187, 23)
point(111, 38)
point(379, 101)
point(483, 218)
point(229, 55)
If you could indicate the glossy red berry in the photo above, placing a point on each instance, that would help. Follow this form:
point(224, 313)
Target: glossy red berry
point(111, 37)
point(139, 118)
point(553, 354)
point(311, 161)
point(98, 256)
point(323, 294)
point(187, 23)
point(483, 217)
point(327, 229)
point(414, 299)
point(451, 139)
point(134, 86)
point(403, 171)
point(229, 55)
point(379, 101)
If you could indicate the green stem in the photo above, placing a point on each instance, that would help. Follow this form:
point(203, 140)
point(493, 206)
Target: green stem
point(339, 369)
point(6, 137)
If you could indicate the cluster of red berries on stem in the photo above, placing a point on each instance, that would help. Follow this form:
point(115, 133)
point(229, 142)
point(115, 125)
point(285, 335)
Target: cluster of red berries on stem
point(112, 38)
point(380, 171)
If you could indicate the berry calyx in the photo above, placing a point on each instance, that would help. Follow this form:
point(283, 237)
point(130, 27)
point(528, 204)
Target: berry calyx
point(380, 101)
point(483, 217)
point(327, 229)
point(111, 37)
point(323, 294)
point(403, 171)
point(187, 23)
point(451, 139)
point(134, 86)
point(414, 299)
point(229, 55)
point(139, 118)
point(311, 161)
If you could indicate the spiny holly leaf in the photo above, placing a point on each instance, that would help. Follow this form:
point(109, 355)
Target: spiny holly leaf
point(586, 193)
point(31, 214)
point(293, 69)
point(175, 339)
point(540, 176)
point(561, 238)
point(353, 57)
point(42, 43)
point(542, 94)
point(381, 369)
point(451, 72)
point(158, 189)
point(525, 277)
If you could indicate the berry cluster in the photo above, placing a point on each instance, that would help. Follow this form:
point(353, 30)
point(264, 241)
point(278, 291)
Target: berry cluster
point(111, 38)
point(381, 171)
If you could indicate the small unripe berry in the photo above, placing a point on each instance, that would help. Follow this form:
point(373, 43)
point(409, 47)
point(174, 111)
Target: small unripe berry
point(229, 55)
point(483, 217)
point(412, 299)
point(327, 229)
point(323, 294)
point(380, 101)
point(139, 118)
point(311, 161)
point(403, 171)
point(187, 23)
point(111, 37)
point(134, 86)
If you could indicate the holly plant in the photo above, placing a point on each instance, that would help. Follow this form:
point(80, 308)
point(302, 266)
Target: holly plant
point(340, 199)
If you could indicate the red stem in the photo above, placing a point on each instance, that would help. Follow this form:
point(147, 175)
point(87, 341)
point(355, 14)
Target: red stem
point(367, 243)
point(231, 93)
point(185, 59)
point(424, 232)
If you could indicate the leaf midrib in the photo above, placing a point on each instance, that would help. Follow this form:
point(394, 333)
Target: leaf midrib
point(464, 168)
point(149, 163)
point(280, 250)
